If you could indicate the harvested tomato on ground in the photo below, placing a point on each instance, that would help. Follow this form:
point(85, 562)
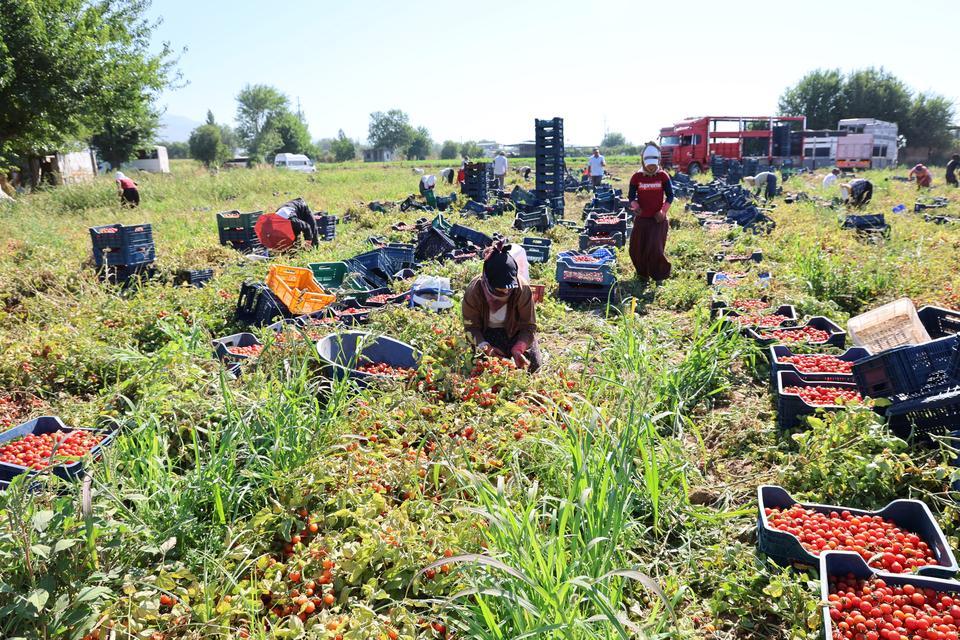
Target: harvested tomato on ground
point(878, 611)
point(880, 542)
point(384, 369)
point(383, 298)
point(352, 311)
point(815, 363)
point(252, 351)
point(804, 334)
point(35, 451)
point(12, 411)
point(824, 396)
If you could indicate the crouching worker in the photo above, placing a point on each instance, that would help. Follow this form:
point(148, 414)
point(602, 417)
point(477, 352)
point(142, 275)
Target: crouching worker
point(499, 313)
point(765, 181)
point(301, 219)
point(427, 185)
point(857, 193)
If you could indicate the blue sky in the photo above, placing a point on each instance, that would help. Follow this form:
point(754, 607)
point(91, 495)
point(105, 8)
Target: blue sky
point(471, 70)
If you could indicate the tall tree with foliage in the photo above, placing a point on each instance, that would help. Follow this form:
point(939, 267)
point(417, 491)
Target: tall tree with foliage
point(293, 132)
point(449, 150)
point(613, 139)
point(819, 96)
point(390, 130)
point(420, 144)
point(206, 145)
point(471, 149)
point(69, 70)
point(256, 105)
point(875, 93)
point(176, 150)
point(928, 125)
point(342, 148)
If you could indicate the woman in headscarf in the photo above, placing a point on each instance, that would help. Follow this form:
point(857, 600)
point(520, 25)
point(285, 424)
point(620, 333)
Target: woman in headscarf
point(499, 314)
point(651, 194)
point(127, 190)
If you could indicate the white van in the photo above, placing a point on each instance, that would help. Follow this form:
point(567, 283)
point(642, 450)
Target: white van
point(294, 162)
point(152, 160)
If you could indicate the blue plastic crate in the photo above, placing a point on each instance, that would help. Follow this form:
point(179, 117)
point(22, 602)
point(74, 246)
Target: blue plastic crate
point(587, 241)
point(257, 305)
point(842, 563)
point(588, 293)
point(341, 353)
point(939, 322)
point(791, 409)
point(919, 418)
point(537, 249)
point(908, 370)
point(599, 274)
point(195, 277)
point(837, 336)
point(466, 234)
point(777, 352)
point(126, 245)
point(910, 515)
point(601, 254)
point(41, 426)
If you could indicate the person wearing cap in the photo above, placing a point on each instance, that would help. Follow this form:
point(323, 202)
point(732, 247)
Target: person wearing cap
point(764, 180)
point(500, 164)
point(953, 167)
point(427, 185)
point(301, 219)
point(651, 194)
point(595, 166)
point(857, 193)
point(498, 311)
point(831, 178)
point(127, 190)
point(923, 176)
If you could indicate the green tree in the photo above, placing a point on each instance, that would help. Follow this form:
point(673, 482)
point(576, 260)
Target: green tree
point(471, 149)
point(293, 132)
point(819, 95)
point(420, 144)
point(125, 131)
point(176, 150)
point(449, 150)
point(875, 93)
point(69, 70)
point(613, 139)
point(390, 130)
point(256, 105)
point(206, 145)
point(928, 125)
point(342, 148)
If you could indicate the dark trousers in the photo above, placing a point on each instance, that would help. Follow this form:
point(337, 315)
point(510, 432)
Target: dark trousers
point(130, 198)
point(498, 338)
point(648, 242)
point(596, 181)
point(304, 224)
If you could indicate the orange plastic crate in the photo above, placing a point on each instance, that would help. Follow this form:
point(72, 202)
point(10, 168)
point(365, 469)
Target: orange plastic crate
point(297, 289)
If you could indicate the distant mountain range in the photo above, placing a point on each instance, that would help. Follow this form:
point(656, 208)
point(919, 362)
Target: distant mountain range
point(176, 128)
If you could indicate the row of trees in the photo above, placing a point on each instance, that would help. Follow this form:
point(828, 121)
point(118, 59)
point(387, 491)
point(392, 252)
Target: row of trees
point(826, 96)
point(76, 71)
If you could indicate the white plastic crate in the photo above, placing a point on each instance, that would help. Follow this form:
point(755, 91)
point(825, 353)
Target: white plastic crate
point(893, 325)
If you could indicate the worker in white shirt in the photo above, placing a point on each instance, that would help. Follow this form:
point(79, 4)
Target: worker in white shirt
point(500, 169)
point(427, 184)
point(595, 165)
point(766, 180)
point(831, 178)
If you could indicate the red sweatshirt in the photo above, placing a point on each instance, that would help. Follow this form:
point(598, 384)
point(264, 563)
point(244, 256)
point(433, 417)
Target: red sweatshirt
point(650, 192)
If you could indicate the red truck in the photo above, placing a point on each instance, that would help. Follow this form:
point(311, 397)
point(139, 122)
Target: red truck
point(689, 144)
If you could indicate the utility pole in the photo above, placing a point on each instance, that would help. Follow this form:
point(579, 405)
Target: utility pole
point(299, 112)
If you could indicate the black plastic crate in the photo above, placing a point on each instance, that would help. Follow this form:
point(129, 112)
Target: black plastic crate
point(194, 277)
point(777, 352)
point(837, 337)
point(66, 469)
point(588, 242)
point(588, 294)
point(791, 408)
point(939, 322)
point(117, 244)
point(537, 249)
point(464, 234)
point(909, 369)
point(257, 305)
point(934, 414)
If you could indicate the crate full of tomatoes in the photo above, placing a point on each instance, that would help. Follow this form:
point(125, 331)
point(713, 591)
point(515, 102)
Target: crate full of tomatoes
point(798, 397)
point(814, 367)
point(46, 444)
point(903, 537)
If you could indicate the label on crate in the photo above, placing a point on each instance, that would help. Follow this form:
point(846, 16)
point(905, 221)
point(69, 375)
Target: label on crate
point(583, 276)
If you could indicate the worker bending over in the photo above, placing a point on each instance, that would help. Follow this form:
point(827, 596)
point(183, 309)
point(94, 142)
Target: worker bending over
point(301, 219)
point(857, 193)
point(953, 167)
point(763, 180)
point(923, 176)
point(427, 185)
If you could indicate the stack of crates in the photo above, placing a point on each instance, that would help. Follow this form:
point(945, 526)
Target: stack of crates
point(539, 219)
point(237, 230)
point(475, 181)
point(586, 277)
point(550, 163)
point(326, 226)
point(122, 251)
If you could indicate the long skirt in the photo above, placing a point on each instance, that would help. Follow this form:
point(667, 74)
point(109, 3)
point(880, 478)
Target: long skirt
point(130, 198)
point(647, 244)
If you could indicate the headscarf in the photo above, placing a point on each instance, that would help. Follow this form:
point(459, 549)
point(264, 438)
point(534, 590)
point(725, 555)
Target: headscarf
point(120, 176)
point(494, 301)
point(651, 152)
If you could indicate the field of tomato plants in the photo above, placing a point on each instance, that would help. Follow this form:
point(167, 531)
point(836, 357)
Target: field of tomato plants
point(614, 494)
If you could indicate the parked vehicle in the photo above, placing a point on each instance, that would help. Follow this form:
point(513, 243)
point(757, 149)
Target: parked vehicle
point(868, 144)
point(294, 162)
point(689, 144)
point(152, 160)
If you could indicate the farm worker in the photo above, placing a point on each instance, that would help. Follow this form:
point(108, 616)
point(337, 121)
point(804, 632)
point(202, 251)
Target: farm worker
point(857, 192)
point(499, 313)
point(427, 183)
point(525, 172)
point(651, 194)
point(952, 168)
point(764, 179)
point(500, 164)
point(595, 166)
point(127, 190)
point(831, 178)
point(301, 219)
point(922, 174)
point(448, 175)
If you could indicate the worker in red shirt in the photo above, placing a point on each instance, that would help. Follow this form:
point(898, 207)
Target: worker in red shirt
point(127, 190)
point(923, 176)
point(651, 194)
